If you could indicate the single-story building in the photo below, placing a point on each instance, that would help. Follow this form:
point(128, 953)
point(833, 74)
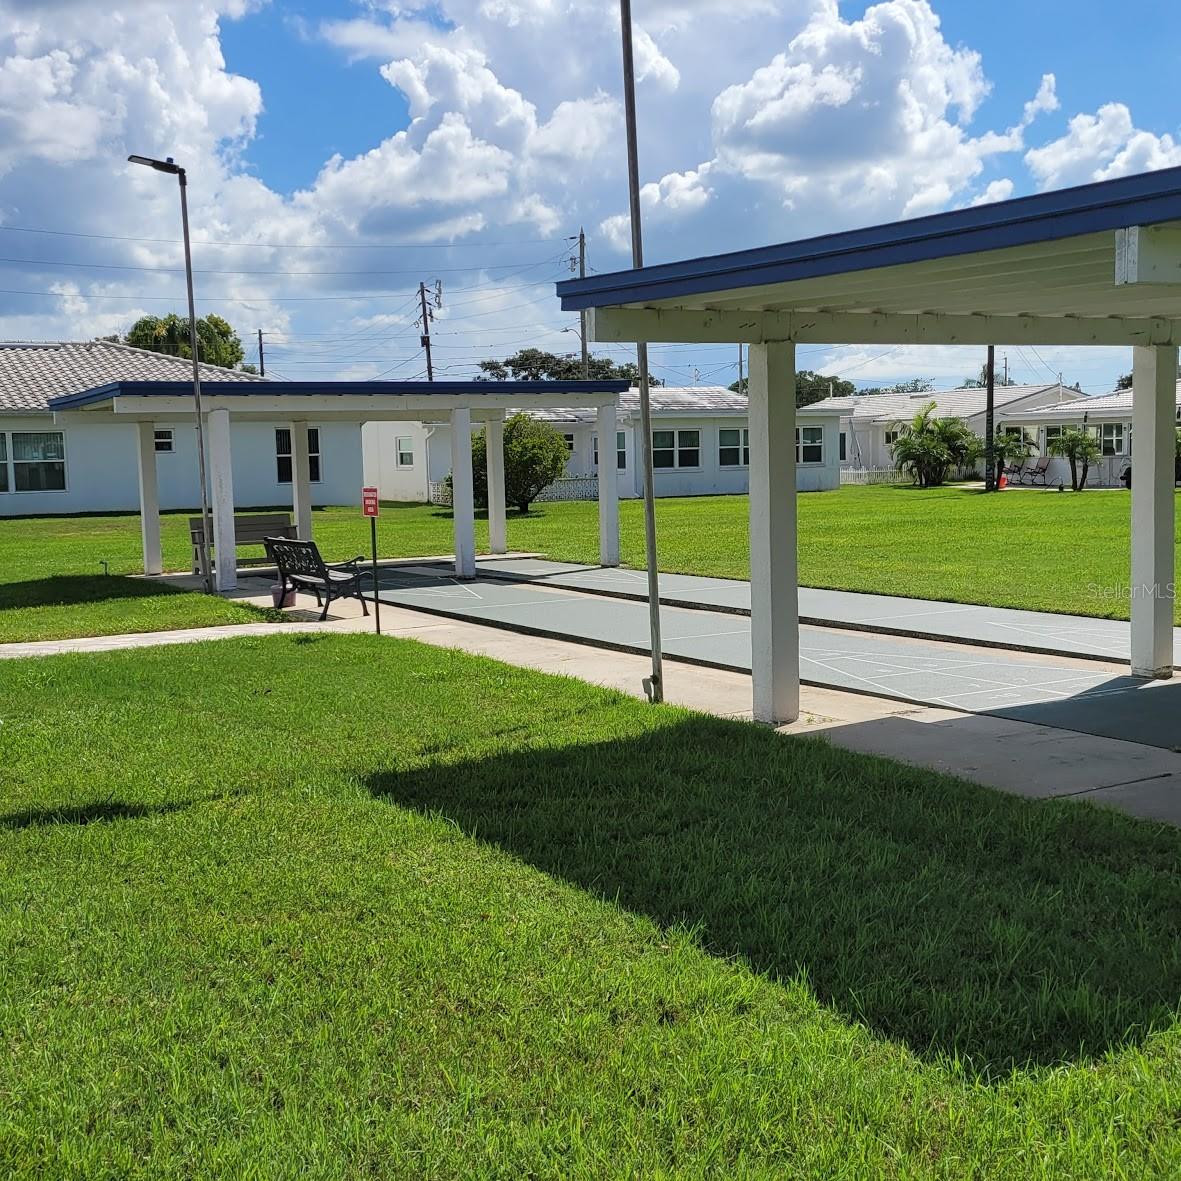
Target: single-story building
point(700, 447)
point(1108, 418)
point(90, 465)
point(869, 423)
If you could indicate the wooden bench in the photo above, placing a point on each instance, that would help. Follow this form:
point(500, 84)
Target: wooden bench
point(299, 564)
point(251, 530)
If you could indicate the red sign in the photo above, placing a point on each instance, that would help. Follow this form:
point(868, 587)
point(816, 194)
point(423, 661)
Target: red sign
point(369, 504)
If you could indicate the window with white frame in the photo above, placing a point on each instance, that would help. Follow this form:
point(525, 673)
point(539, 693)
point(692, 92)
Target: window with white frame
point(676, 449)
point(891, 438)
point(809, 444)
point(620, 450)
point(1052, 434)
point(163, 442)
point(38, 461)
point(733, 447)
point(404, 450)
point(1111, 438)
point(4, 485)
point(283, 454)
point(569, 439)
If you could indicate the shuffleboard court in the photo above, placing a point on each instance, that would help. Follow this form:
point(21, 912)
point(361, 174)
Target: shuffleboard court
point(1012, 684)
point(1036, 631)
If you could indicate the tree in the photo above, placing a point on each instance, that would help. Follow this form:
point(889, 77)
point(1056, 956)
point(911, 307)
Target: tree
point(1081, 448)
point(980, 381)
point(1007, 445)
point(916, 385)
point(217, 342)
point(810, 387)
point(1124, 382)
point(538, 365)
point(928, 447)
point(534, 457)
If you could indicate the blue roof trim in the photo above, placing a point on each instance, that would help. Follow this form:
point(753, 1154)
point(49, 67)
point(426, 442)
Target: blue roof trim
point(1145, 199)
point(310, 389)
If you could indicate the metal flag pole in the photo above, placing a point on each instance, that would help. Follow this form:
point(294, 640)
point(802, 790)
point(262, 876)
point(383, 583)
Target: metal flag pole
point(654, 685)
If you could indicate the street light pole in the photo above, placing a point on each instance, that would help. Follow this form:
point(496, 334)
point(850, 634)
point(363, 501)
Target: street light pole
point(170, 167)
point(655, 684)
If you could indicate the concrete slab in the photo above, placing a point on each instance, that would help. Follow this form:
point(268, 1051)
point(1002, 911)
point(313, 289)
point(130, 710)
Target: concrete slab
point(1033, 631)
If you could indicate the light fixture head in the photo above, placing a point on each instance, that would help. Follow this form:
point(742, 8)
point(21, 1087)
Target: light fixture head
point(169, 165)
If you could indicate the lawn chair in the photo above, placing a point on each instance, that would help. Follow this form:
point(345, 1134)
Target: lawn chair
point(1013, 472)
point(300, 564)
point(1037, 472)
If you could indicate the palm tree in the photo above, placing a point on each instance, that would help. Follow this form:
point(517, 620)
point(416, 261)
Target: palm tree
point(928, 447)
point(1007, 446)
point(1080, 447)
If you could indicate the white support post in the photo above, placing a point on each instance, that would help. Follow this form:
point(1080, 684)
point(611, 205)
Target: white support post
point(608, 487)
point(301, 480)
point(221, 484)
point(494, 451)
point(774, 587)
point(149, 499)
point(1154, 384)
point(463, 508)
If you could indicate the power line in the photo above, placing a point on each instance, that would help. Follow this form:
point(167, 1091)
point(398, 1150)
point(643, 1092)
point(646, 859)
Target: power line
point(284, 245)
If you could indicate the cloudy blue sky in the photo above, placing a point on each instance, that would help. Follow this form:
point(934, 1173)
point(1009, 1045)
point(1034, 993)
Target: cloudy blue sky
point(341, 151)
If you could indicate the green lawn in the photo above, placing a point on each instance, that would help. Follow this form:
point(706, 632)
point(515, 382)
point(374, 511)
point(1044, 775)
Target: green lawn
point(1043, 551)
point(343, 907)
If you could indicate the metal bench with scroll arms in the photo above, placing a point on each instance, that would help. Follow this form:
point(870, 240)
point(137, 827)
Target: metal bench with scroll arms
point(300, 565)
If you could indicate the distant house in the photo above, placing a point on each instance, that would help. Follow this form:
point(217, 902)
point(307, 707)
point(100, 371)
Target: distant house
point(49, 468)
point(1108, 418)
point(869, 422)
point(700, 447)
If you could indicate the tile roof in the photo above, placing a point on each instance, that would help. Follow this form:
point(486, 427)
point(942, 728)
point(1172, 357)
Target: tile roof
point(708, 401)
point(961, 403)
point(32, 373)
point(1118, 403)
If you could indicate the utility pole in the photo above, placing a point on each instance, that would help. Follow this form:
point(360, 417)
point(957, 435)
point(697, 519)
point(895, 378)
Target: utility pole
point(989, 425)
point(1005, 358)
point(426, 331)
point(582, 314)
point(655, 684)
point(262, 365)
point(741, 390)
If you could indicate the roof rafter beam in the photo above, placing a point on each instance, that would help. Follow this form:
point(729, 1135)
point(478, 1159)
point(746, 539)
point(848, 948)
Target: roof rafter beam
point(1148, 254)
point(676, 325)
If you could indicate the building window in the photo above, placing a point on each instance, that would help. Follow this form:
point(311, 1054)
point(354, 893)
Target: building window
point(1053, 434)
point(163, 442)
point(676, 449)
point(404, 448)
point(569, 443)
point(810, 444)
point(3, 462)
point(283, 454)
point(843, 447)
point(733, 447)
point(891, 438)
point(1111, 438)
point(38, 461)
point(620, 450)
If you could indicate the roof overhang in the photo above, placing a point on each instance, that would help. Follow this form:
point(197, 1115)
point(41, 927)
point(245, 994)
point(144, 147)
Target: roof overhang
point(344, 401)
point(1095, 265)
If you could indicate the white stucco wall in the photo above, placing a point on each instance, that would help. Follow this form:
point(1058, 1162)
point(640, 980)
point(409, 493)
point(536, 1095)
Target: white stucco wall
point(394, 482)
point(102, 474)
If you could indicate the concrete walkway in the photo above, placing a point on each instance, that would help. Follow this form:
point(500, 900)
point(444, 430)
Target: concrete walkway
point(1028, 631)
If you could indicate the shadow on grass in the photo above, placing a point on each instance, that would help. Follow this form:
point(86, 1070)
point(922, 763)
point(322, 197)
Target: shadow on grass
point(68, 589)
point(961, 921)
point(81, 814)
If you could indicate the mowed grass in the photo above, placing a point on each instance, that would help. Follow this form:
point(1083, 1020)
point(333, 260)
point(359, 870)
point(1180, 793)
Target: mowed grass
point(343, 907)
point(1035, 550)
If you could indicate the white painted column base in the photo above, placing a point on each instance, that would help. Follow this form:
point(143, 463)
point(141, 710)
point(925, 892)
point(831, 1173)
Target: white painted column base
point(608, 487)
point(774, 586)
point(494, 452)
point(301, 480)
point(221, 486)
point(463, 508)
point(149, 498)
point(1154, 383)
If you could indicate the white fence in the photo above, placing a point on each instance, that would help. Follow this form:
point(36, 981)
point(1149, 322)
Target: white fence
point(567, 488)
point(873, 475)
